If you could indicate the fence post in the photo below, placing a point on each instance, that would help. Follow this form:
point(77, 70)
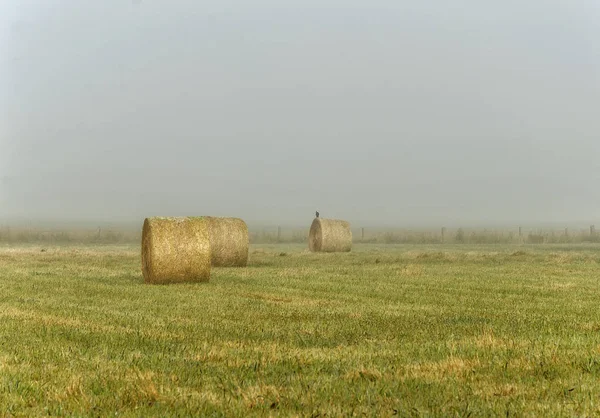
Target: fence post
point(443, 233)
point(278, 234)
point(362, 234)
point(592, 230)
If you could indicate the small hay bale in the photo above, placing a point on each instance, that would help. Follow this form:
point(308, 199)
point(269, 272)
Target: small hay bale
point(228, 241)
point(175, 250)
point(329, 235)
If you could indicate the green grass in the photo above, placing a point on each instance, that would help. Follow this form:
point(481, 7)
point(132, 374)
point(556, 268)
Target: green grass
point(384, 330)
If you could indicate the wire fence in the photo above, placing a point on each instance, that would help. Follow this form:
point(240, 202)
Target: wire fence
point(279, 234)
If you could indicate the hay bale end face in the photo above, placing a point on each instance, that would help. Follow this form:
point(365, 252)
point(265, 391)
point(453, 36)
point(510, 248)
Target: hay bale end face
point(330, 235)
point(229, 241)
point(175, 250)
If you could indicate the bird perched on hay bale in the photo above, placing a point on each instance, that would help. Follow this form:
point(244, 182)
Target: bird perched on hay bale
point(317, 214)
point(329, 235)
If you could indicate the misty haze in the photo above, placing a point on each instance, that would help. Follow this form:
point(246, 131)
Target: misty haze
point(391, 113)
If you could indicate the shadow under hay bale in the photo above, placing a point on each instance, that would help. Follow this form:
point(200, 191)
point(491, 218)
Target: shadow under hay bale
point(329, 235)
point(175, 250)
point(229, 241)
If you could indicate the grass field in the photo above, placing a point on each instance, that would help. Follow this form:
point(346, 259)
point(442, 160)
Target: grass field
point(443, 330)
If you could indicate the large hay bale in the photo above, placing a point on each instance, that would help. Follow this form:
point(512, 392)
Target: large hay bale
point(329, 235)
point(175, 250)
point(228, 241)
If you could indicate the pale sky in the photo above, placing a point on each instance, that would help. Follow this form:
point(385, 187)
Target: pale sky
point(384, 112)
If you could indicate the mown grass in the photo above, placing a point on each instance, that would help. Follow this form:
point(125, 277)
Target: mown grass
point(384, 330)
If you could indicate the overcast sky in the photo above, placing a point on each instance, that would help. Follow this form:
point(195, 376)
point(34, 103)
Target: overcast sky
point(380, 112)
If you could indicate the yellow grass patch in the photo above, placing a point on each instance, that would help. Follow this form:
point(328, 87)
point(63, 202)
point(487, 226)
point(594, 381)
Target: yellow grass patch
point(88, 326)
point(269, 297)
point(259, 395)
point(72, 391)
point(451, 367)
point(411, 270)
point(140, 388)
point(488, 340)
point(363, 373)
point(560, 258)
point(562, 285)
point(505, 390)
point(296, 272)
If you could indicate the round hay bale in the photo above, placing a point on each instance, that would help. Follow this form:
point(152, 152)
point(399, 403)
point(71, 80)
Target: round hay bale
point(228, 241)
point(329, 235)
point(175, 250)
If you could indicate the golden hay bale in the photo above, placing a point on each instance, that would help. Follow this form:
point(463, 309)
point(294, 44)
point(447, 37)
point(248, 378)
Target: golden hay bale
point(175, 250)
point(329, 235)
point(228, 241)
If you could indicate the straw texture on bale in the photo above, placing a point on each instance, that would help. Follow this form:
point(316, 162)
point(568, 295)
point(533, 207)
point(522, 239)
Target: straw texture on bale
point(175, 250)
point(329, 235)
point(228, 241)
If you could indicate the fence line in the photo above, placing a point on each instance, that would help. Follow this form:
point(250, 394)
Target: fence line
point(444, 235)
point(279, 234)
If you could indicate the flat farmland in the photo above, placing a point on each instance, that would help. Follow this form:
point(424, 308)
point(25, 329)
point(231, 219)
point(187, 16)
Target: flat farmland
point(406, 330)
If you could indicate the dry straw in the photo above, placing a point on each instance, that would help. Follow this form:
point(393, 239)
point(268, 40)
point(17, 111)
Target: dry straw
point(228, 241)
point(175, 250)
point(329, 235)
